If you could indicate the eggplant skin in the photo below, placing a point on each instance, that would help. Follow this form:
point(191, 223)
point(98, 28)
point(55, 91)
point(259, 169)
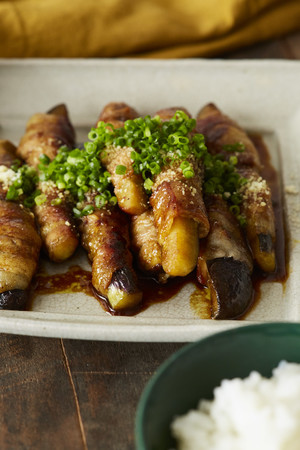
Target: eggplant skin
point(124, 280)
point(13, 299)
point(231, 288)
point(265, 242)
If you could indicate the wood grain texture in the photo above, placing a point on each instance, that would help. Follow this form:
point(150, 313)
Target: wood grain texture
point(37, 407)
point(72, 395)
point(109, 378)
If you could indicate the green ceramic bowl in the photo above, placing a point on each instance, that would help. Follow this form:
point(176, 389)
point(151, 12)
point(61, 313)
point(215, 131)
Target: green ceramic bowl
point(195, 370)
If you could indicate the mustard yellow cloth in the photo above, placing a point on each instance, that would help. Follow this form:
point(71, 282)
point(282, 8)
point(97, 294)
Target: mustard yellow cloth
point(157, 28)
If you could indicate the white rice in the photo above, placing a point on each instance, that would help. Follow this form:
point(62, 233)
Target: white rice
point(256, 413)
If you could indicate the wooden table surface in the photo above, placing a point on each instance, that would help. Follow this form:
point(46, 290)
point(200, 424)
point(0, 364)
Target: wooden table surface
point(72, 394)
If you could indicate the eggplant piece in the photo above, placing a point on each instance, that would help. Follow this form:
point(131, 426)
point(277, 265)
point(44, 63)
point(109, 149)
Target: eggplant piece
point(179, 213)
point(14, 299)
point(20, 242)
point(225, 263)
point(105, 236)
point(128, 188)
point(45, 134)
point(220, 131)
point(230, 288)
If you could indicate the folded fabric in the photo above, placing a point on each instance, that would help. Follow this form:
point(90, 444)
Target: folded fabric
point(157, 28)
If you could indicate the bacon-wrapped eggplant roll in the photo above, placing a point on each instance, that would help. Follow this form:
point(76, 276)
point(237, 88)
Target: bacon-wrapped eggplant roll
point(222, 133)
point(45, 134)
point(179, 213)
point(258, 211)
point(143, 231)
point(19, 240)
point(56, 223)
point(225, 263)
point(128, 186)
point(105, 237)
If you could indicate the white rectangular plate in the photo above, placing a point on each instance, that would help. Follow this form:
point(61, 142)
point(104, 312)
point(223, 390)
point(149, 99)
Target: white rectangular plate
point(263, 96)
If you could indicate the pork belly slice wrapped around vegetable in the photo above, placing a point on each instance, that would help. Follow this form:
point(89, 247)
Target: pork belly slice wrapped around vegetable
point(105, 236)
point(258, 211)
point(117, 113)
point(105, 232)
point(225, 263)
point(19, 241)
point(220, 133)
point(57, 227)
point(135, 202)
point(144, 241)
point(128, 186)
point(179, 213)
point(45, 134)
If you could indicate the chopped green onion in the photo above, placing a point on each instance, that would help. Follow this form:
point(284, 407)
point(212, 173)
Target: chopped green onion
point(11, 193)
point(40, 199)
point(113, 200)
point(236, 147)
point(24, 183)
point(100, 201)
point(233, 160)
point(56, 201)
point(77, 212)
point(87, 210)
point(44, 159)
point(148, 183)
point(121, 170)
point(188, 173)
point(155, 143)
point(60, 184)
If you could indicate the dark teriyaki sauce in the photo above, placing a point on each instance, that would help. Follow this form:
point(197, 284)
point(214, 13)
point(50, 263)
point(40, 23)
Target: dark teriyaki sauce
point(78, 280)
point(153, 292)
point(75, 279)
